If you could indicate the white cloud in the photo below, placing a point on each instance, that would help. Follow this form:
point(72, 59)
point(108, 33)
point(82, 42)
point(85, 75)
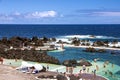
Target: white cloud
point(17, 14)
point(107, 13)
point(98, 12)
point(5, 18)
point(61, 15)
point(30, 15)
point(44, 14)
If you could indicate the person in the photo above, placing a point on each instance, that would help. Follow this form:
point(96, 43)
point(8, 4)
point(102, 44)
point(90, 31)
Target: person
point(112, 65)
point(84, 68)
point(1, 60)
point(106, 62)
point(104, 66)
point(111, 74)
point(65, 75)
point(94, 72)
point(67, 68)
point(47, 67)
point(15, 59)
point(31, 69)
point(80, 73)
point(97, 68)
point(71, 70)
point(96, 59)
point(10, 63)
point(105, 72)
point(88, 70)
point(57, 70)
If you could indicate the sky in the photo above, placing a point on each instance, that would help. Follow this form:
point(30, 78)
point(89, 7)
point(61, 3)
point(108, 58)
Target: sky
point(59, 11)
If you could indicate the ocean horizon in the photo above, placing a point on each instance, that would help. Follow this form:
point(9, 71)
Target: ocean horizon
point(53, 30)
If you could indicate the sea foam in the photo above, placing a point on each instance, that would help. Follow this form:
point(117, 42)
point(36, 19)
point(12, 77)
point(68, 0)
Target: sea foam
point(87, 37)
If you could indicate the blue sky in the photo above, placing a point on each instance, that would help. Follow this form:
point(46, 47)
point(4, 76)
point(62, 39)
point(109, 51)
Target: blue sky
point(59, 11)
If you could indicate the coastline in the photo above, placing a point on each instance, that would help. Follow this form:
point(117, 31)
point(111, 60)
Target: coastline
point(107, 48)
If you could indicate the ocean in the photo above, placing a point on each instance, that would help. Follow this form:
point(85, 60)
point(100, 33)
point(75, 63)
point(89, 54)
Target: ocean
point(108, 31)
point(101, 32)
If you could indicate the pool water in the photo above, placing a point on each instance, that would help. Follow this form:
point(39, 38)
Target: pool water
point(78, 53)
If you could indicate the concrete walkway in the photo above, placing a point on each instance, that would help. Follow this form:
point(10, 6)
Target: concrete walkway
point(58, 68)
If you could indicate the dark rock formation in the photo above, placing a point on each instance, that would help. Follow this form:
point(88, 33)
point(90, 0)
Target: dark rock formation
point(115, 52)
point(74, 63)
point(70, 63)
point(92, 36)
point(98, 43)
point(61, 77)
point(73, 77)
point(84, 62)
point(118, 72)
point(18, 42)
point(29, 55)
point(101, 50)
point(90, 49)
point(75, 41)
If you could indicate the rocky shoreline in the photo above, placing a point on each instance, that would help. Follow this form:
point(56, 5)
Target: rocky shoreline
point(29, 55)
point(25, 48)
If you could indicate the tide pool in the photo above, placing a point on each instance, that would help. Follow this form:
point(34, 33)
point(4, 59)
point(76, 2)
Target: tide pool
point(77, 54)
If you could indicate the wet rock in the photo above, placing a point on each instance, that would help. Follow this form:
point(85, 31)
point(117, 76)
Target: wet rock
point(101, 50)
point(72, 77)
point(90, 49)
point(84, 62)
point(70, 63)
point(61, 77)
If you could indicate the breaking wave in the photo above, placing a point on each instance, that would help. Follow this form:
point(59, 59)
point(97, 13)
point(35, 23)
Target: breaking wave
point(87, 37)
point(68, 37)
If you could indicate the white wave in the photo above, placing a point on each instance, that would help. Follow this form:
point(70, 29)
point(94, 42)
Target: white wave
point(117, 44)
point(105, 37)
point(86, 36)
point(63, 39)
point(78, 36)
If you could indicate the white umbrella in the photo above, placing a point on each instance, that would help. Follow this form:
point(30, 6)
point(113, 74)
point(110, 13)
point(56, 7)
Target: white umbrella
point(38, 67)
point(26, 64)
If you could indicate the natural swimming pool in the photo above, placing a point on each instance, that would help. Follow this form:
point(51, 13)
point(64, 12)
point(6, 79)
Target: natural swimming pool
point(78, 53)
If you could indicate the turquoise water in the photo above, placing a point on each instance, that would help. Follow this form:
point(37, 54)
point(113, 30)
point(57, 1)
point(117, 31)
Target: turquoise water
point(77, 53)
